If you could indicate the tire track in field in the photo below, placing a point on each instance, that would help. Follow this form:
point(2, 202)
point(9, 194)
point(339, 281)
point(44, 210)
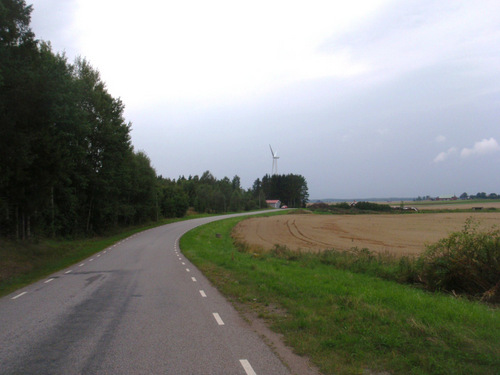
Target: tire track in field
point(302, 237)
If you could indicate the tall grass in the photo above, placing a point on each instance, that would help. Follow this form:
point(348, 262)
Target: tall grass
point(349, 322)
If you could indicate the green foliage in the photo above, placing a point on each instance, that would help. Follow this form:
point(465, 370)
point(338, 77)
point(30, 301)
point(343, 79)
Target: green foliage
point(290, 189)
point(465, 262)
point(15, 17)
point(370, 206)
point(67, 166)
point(207, 194)
point(483, 195)
point(344, 207)
point(174, 201)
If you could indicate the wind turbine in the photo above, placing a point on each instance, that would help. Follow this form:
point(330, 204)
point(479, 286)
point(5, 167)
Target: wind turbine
point(275, 161)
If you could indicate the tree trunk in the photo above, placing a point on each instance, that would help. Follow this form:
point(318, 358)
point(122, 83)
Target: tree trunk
point(23, 227)
point(52, 212)
point(17, 222)
point(89, 215)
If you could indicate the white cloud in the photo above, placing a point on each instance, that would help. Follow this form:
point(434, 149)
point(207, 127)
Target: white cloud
point(449, 31)
point(442, 156)
point(486, 146)
point(197, 49)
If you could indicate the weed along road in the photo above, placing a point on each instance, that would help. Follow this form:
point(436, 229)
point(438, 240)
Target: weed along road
point(137, 307)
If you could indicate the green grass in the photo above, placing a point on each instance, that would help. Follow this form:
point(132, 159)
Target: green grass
point(347, 322)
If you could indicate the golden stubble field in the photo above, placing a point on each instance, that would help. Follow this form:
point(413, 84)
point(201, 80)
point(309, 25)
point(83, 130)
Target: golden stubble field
point(397, 234)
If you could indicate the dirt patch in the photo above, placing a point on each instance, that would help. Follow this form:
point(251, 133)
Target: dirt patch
point(298, 365)
point(397, 234)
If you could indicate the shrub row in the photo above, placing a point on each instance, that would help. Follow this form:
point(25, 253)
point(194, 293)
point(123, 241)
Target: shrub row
point(344, 207)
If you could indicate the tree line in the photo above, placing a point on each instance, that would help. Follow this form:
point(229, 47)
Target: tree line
point(291, 189)
point(67, 165)
point(207, 194)
point(481, 195)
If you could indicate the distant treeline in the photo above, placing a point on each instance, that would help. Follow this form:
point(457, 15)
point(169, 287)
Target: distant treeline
point(67, 165)
point(344, 207)
point(210, 195)
point(463, 196)
point(480, 196)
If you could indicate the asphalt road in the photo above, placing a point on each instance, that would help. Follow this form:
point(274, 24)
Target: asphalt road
point(137, 307)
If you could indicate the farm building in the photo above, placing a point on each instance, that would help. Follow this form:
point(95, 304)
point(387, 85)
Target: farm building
point(447, 198)
point(275, 203)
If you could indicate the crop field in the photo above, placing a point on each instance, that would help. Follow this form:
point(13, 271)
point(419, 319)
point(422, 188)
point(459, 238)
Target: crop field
point(396, 234)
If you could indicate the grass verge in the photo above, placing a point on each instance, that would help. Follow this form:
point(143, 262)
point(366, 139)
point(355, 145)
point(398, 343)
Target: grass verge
point(350, 323)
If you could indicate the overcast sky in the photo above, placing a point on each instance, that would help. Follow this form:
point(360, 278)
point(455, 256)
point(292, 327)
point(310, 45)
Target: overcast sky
point(371, 98)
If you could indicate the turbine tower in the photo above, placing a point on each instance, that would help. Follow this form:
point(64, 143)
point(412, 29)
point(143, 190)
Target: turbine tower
point(275, 161)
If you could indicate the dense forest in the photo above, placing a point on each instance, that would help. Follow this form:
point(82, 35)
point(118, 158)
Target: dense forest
point(291, 189)
point(67, 164)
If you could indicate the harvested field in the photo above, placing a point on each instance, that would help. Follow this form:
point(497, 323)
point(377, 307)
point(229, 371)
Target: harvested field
point(396, 234)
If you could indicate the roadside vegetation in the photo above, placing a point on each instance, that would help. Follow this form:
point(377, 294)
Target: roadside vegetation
point(349, 313)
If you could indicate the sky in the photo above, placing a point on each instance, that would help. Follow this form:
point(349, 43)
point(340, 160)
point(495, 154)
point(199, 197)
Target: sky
point(365, 98)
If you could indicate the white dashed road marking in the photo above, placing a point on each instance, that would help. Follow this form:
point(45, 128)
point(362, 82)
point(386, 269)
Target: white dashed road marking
point(203, 293)
point(218, 319)
point(69, 271)
point(19, 295)
point(187, 270)
point(81, 265)
point(48, 281)
point(246, 366)
point(194, 279)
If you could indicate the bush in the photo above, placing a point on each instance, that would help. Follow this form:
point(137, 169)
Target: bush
point(465, 262)
point(369, 206)
point(344, 207)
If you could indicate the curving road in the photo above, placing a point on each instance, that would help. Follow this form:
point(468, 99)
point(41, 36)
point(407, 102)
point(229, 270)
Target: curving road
point(137, 307)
